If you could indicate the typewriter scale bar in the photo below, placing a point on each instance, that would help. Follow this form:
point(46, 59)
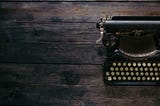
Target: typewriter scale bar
point(155, 18)
point(131, 24)
point(117, 23)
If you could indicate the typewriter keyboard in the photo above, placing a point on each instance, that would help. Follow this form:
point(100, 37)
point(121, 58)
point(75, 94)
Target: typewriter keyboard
point(142, 73)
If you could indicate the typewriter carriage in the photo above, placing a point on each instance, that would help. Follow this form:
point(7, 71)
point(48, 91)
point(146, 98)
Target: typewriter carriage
point(127, 36)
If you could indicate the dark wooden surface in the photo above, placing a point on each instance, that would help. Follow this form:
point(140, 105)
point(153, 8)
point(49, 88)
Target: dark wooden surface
point(84, 0)
point(48, 55)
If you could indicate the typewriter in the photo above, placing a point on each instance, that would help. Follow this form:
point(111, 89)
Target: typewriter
point(132, 46)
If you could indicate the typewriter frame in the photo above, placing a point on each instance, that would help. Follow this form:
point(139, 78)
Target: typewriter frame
point(114, 25)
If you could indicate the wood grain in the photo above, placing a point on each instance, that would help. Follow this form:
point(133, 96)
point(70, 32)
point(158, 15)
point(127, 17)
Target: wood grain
point(51, 53)
point(81, 0)
point(31, 84)
point(26, 25)
point(72, 33)
point(48, 55)
point(73, 11)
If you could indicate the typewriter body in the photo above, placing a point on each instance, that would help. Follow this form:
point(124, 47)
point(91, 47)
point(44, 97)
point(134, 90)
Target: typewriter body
point(132, 50)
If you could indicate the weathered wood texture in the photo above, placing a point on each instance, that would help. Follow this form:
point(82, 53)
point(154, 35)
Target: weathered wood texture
point(83, 0)
point(73, 11)
point(69, 85)
point(37, 32)
point(48, 55)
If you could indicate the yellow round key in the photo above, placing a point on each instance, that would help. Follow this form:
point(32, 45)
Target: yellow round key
point(157, 78)
point(132, 73)
point(150, 69)
point(145, 69)
point(129, 78)
point(119, 78)
point(117, 73)
point(112, 73)
point(124, 78)
point(155, 69)
point(129, 64)
point(141, 68)
point(143, 78)
point(148, 64)
point(148, 78)
point(136, 69)
point(119, 64)
point(121, 69)
point(122, 73)
point(126, 68)
point(116, 69)
point(153, 64)
point(146, 73)
point(134, 78)
point(151, 74)
point(111, 68)
point(156, 73)
point(143, 64)
point(114, 78)
point(107, 73)
point(134, 64)
point(124, 64)
point(114, 64)
point(131, 68)
point(153, 78)
point(109, 78)
point(127, 73)
point(138, 78)
point(139, 64)
point(137, 73)
point(142, 73)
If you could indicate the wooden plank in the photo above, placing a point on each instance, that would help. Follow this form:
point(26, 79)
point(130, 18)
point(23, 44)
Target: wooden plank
point(97, 95)
point(73, 11)
point(28, 84)
point(82, 0)
point(107, 102)
point(36, 76)
point(51, 53)
point(24, 100)
point(87, 95)
point(59, 84)
point(51, 74)
point(78, 33)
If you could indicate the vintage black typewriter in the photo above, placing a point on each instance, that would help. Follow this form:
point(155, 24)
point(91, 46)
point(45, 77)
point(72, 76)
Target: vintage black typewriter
point(132, 50)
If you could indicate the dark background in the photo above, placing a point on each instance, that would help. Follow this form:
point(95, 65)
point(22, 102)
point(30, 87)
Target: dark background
point(48, 55)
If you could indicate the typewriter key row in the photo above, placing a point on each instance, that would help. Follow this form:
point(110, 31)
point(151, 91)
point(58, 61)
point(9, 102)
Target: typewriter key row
point(129, 78)
point(134, 64)
point(133, 73)
point(134, 69)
